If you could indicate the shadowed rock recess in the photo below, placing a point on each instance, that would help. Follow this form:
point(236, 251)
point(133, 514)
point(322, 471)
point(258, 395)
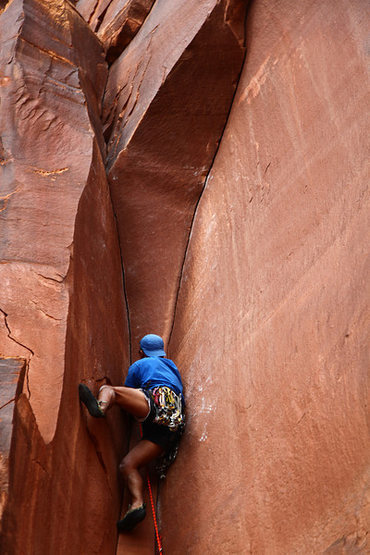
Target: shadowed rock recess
point(194, 168)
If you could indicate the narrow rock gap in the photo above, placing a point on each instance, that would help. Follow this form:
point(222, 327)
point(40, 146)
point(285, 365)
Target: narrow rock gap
point(92, 13)
point(123, 278)
point(180, 277)
point(115, 51)
point(206, 181)
point(100, 21)
point(123, 273)
point(116, 221)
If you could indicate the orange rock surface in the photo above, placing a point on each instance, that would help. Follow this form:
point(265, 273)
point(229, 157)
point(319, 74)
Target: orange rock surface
point(61, 298)
point(116, 22)
point(272, 321)
point(162, 125)
point(195, 169)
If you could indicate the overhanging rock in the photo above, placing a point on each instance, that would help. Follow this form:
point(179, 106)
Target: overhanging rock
point(165, 107)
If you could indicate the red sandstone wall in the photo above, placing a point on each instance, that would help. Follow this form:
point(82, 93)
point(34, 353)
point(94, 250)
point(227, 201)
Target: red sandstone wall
point(162, 124)
point(264, 306)
point(61, 298)
point(271, 325)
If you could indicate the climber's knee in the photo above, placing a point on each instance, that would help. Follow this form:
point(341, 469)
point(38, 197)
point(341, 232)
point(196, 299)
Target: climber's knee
point(106, 387)
point(106, 394)
point(126, 467)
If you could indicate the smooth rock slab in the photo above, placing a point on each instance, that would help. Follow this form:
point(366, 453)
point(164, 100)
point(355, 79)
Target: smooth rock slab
point(271, 327)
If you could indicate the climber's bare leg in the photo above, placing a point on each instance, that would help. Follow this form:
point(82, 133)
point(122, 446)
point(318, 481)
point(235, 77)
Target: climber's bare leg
point(143, 453)
point(128, 398)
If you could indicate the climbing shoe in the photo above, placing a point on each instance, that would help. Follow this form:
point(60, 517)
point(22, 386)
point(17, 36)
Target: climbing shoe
point(90, 402)
point(131, 519)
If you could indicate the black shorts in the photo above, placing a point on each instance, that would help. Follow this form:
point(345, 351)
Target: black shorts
point(157, 433)
point(161, 435)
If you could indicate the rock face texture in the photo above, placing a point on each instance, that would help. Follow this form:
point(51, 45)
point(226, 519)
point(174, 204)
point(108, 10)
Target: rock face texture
point(197, 171)
point(162, 127)
point(116, 22)
point(271, 322)
point(61, 298)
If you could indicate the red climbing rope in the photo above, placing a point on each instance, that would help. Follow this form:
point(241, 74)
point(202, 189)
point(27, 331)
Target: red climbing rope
point(157, 536)
point(159, 544)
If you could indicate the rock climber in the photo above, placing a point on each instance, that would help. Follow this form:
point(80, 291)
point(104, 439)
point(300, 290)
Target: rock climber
point(153, 394)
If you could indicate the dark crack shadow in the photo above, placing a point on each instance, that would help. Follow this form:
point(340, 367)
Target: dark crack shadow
point(27, 361)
